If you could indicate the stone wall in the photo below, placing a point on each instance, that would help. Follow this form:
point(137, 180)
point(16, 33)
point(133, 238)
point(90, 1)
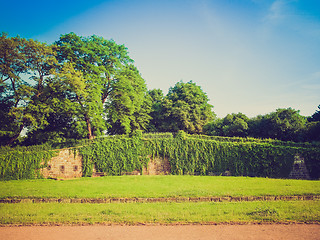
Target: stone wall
point(157, 166)
point(64, 165)
point(299, 169)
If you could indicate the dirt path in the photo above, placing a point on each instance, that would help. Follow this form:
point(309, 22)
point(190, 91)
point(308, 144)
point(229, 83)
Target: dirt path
point(221, 232)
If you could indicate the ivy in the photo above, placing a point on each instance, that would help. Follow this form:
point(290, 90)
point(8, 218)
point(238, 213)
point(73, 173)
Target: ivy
point(187, 154)
point(194, 155)
point(23, 162)
point(114, 156)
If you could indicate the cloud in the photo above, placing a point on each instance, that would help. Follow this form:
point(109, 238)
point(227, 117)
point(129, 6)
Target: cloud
point(277, 11)
point(289, 15)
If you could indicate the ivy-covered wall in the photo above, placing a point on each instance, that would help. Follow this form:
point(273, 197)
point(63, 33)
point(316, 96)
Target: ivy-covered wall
point(190, 154)
point(187, 154)
point(23, 162)
point(66, 164)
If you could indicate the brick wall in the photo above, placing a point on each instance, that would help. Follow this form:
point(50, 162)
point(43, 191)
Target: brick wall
point(64, 165)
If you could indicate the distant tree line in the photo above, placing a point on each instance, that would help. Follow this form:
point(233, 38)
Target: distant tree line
point(283, 124)
point(84, 87)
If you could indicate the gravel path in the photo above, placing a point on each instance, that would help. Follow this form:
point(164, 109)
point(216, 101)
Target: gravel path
point(203, 232)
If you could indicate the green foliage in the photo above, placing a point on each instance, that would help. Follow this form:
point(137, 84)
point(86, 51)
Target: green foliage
point(76, 88)
point(114, 155)
point(129, 104)
point(316, 116)
point(233, 125)
point(200, 155)
point(257, 140)
point(240, 156)
point(157, 135)
point(187, 154)
point(157, 111)
point(23, 162)
point(283, 124)
point(108, 91)
point(25, 70)
point(184, 108)
point(313, 127)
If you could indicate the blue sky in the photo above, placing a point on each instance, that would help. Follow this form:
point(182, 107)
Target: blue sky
point(249, 56)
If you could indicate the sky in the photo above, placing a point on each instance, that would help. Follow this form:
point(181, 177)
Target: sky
point(248, 56)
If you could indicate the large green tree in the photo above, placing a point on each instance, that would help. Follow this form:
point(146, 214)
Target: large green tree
point(25, 69)
point(186, 108)
point(108, 90)
point(129, 104)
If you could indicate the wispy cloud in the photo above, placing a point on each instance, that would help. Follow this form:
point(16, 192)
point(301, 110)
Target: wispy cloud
point(277, 11)
point(286, 14)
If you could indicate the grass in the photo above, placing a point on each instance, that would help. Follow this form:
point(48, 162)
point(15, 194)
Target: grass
point(156, 186)
point(161, 213)
point(27, 213)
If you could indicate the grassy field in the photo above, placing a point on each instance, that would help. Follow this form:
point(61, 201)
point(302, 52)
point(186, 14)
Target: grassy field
point(160, 213)
point(156, 186)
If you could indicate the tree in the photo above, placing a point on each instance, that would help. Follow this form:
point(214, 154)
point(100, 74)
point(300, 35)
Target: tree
point(235, 125)
point(284, 124)
point(232, 125)
point(214, 128)
point(25, 69)
point(106, 77)
point(156, 114)
point(186, 108)
point(129, 105)
point(316, 116)
point(313, 127)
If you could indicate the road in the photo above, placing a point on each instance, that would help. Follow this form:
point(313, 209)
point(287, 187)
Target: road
point(203, 232)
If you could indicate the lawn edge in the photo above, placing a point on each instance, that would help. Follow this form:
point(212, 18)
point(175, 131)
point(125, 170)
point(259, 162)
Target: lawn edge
point(48, 224)
point(164, 199)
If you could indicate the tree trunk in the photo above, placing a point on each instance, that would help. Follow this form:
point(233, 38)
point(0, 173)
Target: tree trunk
point(86, 118)
point(90, 136)
point(12, 139)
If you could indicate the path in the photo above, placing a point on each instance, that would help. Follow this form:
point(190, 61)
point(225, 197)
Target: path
point(221, 232)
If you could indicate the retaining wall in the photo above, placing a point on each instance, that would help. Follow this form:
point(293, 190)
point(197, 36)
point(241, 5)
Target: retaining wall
point(64, 165)
point(68, 165)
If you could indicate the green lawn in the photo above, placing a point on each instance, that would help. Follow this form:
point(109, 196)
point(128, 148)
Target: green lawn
point(160, 213)
point(156, 186)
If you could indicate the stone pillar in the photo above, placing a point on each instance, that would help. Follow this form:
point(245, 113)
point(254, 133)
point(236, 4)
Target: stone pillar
point(299, 169)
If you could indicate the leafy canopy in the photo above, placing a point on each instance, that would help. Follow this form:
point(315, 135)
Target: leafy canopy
point(186, 108)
